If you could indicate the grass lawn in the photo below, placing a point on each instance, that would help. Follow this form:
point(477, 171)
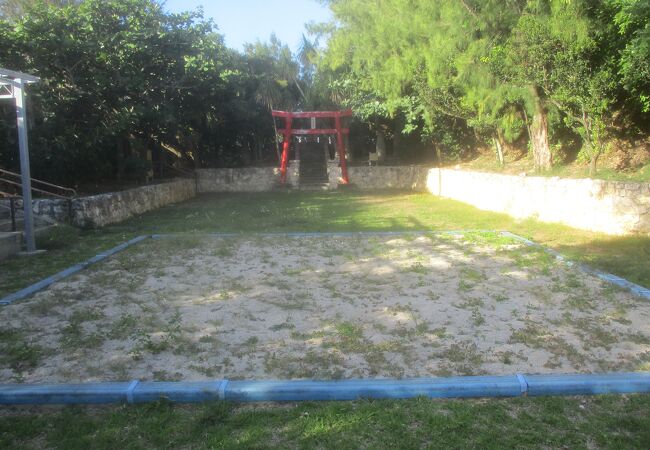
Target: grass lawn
point(515, 165)
point(610, 422)
point(627, 256)
point(614, 422)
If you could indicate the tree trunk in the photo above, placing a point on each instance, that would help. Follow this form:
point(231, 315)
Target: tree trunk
point(542, 156)
point(438, 152)
point(588, 141)
point(348, 150)
point(499, 148)
point(247, 152)
point(197, 151)
point(398, 126)
point(380, 146)
point(592, 165)
point(275, 136)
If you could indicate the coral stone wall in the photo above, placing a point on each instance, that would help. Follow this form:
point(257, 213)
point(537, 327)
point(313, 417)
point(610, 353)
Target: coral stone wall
point(246, 179)
point(389, 177)
point(104, 209)
point(611, 207)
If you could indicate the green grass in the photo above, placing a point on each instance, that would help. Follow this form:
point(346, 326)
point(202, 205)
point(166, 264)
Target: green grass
point(15, 351)
point(599, 422)
point(607, 422)
point(641, 175)
point(627, 256)
point(516, 165)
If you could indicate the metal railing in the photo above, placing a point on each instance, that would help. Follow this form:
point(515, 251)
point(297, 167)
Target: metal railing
point(13, 179)
point(46, 189)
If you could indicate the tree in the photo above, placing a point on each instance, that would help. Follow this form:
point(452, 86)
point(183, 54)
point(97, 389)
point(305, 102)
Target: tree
point(123, 77)
point(13, 9)
point(426, 56)
point(275, 72)
point(491, 65)
point(632, 20)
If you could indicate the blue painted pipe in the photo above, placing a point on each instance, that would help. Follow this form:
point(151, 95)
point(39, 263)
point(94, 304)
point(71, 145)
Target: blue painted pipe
point(607, 277)
point(454, 387)
point(47, 282)
point(577, 384)
point(323, 233)
point(304, 390)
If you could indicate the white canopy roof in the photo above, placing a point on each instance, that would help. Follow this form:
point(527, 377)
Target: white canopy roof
point(7, 75)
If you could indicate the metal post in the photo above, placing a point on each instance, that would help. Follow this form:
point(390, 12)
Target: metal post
point(21, 118)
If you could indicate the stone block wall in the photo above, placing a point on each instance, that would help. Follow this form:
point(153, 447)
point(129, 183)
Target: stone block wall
point(388, 177)
point(104, 209)
point(261, 179)
point(611, 207)
point(245, 179)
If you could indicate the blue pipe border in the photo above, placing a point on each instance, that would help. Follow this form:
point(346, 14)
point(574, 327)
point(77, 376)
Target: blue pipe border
point(45, 283)
point(607, 277)
point(323, 233)
point(135, 391)
point(306, 390)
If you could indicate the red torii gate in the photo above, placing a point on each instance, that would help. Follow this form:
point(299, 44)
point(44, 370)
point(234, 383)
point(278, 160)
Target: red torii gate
point(288, 131)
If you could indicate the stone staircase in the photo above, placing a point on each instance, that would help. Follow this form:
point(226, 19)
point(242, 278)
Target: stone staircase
point(313, 167)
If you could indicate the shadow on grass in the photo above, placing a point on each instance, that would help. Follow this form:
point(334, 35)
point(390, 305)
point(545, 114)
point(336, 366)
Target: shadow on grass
point(625, 256)
point(628, 256)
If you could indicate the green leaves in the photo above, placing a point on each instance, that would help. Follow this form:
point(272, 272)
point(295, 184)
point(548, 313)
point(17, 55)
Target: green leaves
point(120, 77)
point(479, 62)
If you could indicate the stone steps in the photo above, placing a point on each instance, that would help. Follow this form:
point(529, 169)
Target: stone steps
point(314, 186)
point(313, 167)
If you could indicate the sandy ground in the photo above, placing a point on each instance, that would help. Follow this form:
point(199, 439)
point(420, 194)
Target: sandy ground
point(323, 307)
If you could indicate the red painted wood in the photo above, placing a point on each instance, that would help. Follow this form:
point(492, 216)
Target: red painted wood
point(285, 152)
point(288, 132)
point(341, 147)
point(304, 131)
point(309, 114)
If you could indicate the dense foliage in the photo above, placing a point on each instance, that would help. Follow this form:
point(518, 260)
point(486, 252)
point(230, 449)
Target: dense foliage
point(128, 89)
point(542, 72)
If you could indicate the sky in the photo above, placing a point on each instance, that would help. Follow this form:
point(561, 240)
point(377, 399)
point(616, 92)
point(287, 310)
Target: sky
point(242, 21)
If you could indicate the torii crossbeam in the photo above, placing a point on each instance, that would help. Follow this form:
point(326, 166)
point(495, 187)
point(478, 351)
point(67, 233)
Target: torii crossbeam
point(289, 131)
